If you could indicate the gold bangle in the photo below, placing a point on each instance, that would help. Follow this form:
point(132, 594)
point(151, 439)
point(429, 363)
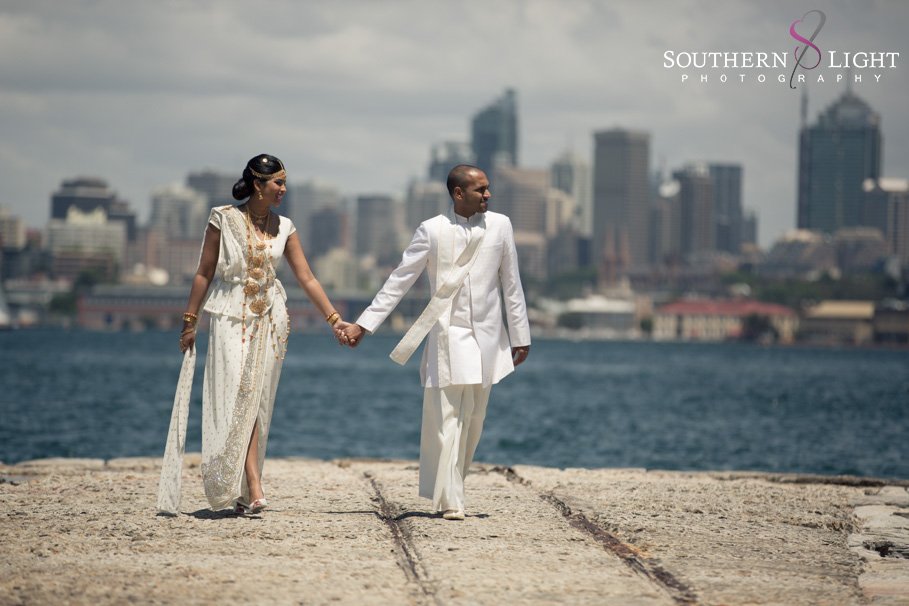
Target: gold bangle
point(333, 318)
point(190, 317)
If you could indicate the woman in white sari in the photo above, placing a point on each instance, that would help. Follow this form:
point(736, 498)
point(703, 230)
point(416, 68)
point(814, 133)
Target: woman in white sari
point(249, 330)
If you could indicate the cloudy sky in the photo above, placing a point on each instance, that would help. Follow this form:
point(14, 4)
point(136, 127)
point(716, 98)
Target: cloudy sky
point(354, 93)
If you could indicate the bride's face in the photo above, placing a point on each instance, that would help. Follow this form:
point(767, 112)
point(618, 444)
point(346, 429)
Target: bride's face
point(273, 191)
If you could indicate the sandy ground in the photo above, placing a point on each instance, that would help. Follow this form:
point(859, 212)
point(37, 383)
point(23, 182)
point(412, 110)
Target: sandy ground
point(84, 531)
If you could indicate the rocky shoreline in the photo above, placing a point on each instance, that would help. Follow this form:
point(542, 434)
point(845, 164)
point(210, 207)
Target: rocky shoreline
point(84, 531)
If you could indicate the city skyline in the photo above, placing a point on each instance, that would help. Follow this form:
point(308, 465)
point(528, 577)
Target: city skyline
point(356, 96)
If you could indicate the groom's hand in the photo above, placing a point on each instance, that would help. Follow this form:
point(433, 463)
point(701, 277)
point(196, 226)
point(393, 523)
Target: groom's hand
point(353, 333)
point(519, 354)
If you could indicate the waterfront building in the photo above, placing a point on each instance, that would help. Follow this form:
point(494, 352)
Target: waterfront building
point(720, 320)
point(838, 322)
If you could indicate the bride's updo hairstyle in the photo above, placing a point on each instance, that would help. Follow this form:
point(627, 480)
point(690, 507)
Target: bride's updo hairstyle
point(260, 168)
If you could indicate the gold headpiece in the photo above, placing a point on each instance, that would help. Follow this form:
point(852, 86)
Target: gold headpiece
point(281, 174)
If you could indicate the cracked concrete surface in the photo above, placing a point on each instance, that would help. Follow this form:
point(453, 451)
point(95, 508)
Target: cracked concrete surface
point(84, 531)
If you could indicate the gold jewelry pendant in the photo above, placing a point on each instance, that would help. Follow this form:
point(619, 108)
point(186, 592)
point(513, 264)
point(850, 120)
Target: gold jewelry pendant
point(260, 245)
point(257, 306)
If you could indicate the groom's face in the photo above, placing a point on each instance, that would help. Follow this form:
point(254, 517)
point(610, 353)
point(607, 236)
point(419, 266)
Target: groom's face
point(474, 196)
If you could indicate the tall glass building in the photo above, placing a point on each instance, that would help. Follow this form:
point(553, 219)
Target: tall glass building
point(836, 155)
point(494, 133)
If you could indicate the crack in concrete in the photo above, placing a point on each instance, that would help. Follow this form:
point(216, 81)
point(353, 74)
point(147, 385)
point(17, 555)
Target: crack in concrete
point(650, 569)
point(408, 558)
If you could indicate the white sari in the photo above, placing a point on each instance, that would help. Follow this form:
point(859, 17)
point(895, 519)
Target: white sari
point(242, 367)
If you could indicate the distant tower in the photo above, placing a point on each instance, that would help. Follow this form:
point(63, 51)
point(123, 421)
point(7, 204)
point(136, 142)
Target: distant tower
point(697, 225)
point(495, 133)
point(621, 197)
point(86, 194)
point(836, 155)
point(727, 206)
point(447, 155)
point(217, 187)
point(571, 175)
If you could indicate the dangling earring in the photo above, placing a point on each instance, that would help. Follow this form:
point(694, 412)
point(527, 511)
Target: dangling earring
point(260, 195)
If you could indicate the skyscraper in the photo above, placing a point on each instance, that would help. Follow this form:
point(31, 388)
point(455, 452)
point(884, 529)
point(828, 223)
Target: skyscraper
point(727, 206)
point(377, 228)
point(571, 175)
point(218, 187)
point(86, 194)
point(494, 133)
point(621, 199)
point(836, 155)
point(696, 216)
point(447, 155)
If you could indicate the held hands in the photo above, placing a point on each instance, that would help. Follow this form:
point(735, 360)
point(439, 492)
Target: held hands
point(349, 334)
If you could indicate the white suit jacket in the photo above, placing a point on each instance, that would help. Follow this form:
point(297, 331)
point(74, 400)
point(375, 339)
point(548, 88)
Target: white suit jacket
point(493, 278)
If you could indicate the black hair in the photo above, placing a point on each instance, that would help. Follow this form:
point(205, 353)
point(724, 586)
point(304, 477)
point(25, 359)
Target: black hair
point(263, 164)
point(457, 177)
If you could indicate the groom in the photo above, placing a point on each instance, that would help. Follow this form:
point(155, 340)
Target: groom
point(472, 264)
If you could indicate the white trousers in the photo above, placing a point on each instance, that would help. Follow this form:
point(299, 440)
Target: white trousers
point(452, 423)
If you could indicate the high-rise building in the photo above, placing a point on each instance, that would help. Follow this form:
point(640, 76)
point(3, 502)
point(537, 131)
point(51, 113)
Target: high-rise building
point(425, 199)
point(377, 228)
point(750, 228)
point(665, 235)
point(494, 133)
point(87, 194)
point(727, 206)
point(696, 217)
point(836, 155)
point(447, 155)
point(217, 187)
point(86, 241)
point(887, 209)
point(520, 193)
point(179, 212)
point(327, 229)
point(571, 174)
point(304, 199)
point(621, 200)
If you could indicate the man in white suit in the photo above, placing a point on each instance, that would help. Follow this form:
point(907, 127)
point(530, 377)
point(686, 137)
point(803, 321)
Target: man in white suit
point(472, 264)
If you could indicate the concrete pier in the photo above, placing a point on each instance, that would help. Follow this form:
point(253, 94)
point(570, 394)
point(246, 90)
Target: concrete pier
point(84, 531)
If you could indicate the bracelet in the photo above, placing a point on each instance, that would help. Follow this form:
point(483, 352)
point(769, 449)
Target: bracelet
point(333, 318)
point(190, 317)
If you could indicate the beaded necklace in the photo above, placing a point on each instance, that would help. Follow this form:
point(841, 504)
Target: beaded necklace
point(260, 278)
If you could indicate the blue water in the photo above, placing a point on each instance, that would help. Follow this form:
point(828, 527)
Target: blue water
point(587, 404)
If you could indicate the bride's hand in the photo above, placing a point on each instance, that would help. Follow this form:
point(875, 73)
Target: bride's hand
point(340, 329)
